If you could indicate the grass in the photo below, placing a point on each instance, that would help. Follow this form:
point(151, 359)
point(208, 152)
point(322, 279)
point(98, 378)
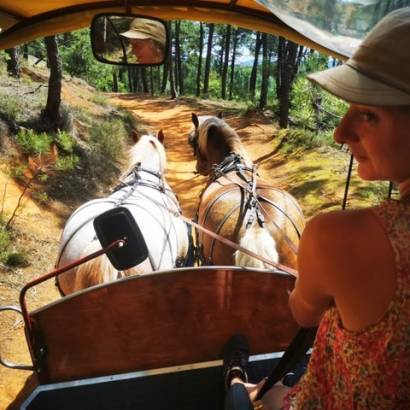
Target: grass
point(10, 107)
point(99, 99)
point(8, 255)
point(108, 139)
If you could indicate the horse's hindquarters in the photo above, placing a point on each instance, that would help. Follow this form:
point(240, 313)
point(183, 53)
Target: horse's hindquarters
point(223, 211)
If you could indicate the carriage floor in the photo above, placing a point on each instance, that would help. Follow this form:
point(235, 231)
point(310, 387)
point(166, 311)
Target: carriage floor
point(181, 388)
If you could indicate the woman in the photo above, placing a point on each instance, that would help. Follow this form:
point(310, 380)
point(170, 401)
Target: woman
point(147, 38)
point(354, 266)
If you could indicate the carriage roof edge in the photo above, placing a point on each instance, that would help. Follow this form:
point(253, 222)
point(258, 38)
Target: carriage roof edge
point(23, 22)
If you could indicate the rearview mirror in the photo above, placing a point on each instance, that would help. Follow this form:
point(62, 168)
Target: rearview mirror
point(128, 39)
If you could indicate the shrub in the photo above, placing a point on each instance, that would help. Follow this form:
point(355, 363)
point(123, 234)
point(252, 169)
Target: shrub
point(41, 197)
point(16, 259)
point(66, 118)
point(10, 107)
point(32, 143)
point(67, 163)
point(65, 141)
point(108, 139)
point(5, 239)
point(99, 99)
point(291, 139)
point(314, 108)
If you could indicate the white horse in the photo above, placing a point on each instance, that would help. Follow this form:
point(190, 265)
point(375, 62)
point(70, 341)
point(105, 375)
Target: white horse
point(145, 192)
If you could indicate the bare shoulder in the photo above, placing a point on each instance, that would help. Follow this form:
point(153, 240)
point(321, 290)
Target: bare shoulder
point(345, 244)
point(342, 228)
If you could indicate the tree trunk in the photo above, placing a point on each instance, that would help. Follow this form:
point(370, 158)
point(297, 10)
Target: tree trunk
point(144, 79)
point(170, 67)
point(130, 80)
point(226, 61)
point(288, 63)
point(114, 82)
point(13, 65)
point(235, 41)
point(201, 47)
point(151, 80)
point(254, 72)
point(136, 82)
point(208, 60)
point(165, 70)
point(221, 55)
point(52, 110)
point(265, 72)
point(25, 52)
point(179, 75)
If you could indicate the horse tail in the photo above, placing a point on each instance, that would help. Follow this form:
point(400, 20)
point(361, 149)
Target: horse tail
point(96, 271)
point(258, 240)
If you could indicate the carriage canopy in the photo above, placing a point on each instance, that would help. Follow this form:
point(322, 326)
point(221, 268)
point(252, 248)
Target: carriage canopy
point(334, 27)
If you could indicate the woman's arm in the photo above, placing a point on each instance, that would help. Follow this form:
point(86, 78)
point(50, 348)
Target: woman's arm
point(312, 294)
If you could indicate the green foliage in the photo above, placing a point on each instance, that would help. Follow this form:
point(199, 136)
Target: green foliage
point(311, 107)
point(15, 259)
point(9, 256)
point(42, 177)
point(65, 141)
point(3, 58)
point(5, 239)
point(32, 143)
point(79, 61)
point(372, 192)
point(107, 138)
point(67, 163)
point(99, 99)
point(10, 107)
point(41, 197)
point(292, 140)
point(17, 171)
point(128, 118)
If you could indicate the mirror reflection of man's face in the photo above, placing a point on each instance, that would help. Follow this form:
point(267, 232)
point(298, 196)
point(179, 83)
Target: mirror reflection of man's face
point(146, 51)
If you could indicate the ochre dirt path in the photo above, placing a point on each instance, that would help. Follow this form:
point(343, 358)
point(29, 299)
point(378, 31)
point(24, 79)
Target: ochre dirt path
point(42, 227)
point(174, 118)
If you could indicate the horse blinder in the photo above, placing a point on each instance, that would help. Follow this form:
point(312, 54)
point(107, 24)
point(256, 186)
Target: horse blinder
point(118, 223)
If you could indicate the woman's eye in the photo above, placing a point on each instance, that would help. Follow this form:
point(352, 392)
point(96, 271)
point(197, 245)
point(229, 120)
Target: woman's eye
point(367, 116)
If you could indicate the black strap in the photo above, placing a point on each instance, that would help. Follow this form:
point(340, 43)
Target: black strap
point(295, 352)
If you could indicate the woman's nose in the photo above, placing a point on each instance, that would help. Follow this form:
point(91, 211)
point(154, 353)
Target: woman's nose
point(345, 132)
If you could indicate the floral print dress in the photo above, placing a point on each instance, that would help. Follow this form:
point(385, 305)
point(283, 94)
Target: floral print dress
point(369, 369)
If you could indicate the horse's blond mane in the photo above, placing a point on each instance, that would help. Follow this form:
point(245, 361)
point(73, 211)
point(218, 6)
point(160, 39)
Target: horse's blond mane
point(230, 136)
point(142, 151)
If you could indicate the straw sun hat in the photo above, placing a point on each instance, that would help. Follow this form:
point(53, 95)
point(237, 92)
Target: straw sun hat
point(378, 73)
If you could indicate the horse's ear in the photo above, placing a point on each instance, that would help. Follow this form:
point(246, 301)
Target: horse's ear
point(220, 114)
point(134, 136)
point(195, 120)
point(161, 137)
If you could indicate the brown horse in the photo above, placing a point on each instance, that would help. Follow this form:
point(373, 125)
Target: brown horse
point(237, 204)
